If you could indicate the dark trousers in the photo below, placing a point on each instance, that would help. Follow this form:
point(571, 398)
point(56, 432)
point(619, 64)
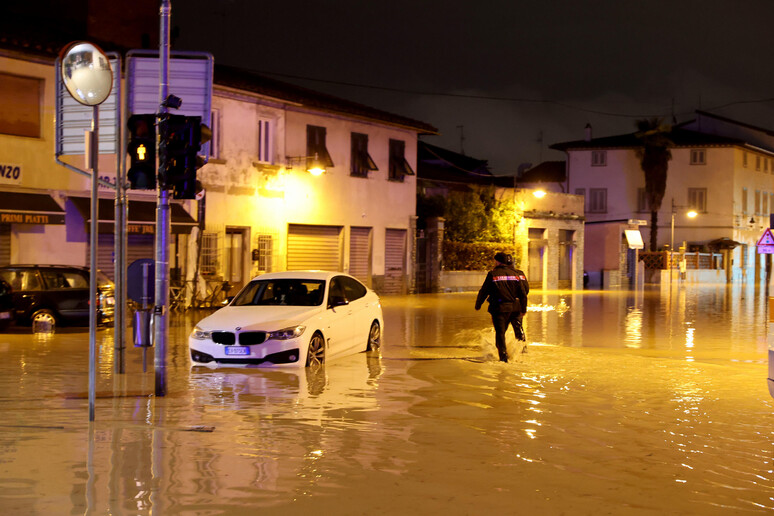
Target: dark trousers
point(501, 321)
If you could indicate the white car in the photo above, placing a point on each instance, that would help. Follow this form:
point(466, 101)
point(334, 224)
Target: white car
point(298, 318)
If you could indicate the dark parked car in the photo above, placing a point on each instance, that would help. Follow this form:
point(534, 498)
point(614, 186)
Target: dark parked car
point(57, 294)
point(6, 304)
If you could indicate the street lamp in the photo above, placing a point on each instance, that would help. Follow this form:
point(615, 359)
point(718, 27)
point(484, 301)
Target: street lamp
point(691, 214)
point(315, 165)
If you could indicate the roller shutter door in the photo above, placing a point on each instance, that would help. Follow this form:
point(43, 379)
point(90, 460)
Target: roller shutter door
point(5, 244)
point(314, 248)
point(360, 254)
point(394, 261)
point(138, 246)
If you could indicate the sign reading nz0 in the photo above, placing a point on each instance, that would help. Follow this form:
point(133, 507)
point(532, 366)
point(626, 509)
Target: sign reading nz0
point(74, 118)
point(190, 78)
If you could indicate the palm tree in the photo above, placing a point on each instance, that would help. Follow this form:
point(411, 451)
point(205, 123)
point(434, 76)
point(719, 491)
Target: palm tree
point(654, 156)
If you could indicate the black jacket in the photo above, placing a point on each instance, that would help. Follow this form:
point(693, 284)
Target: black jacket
point(506, 288)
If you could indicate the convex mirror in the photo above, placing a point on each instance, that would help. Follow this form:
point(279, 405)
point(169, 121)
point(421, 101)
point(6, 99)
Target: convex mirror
point(86, 73)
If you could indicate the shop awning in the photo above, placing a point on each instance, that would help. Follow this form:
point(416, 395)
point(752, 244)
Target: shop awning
point(141, 217)
point(29, 208)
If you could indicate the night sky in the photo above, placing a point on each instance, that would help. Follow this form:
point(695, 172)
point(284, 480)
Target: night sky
point(517, 75)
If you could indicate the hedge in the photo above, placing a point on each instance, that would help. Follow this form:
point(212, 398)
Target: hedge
point(478, 256)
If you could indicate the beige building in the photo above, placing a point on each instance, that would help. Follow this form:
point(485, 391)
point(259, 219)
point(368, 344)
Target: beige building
point(261, 210)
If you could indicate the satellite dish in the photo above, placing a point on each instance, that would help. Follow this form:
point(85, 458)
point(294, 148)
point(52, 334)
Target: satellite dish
point(86, 73)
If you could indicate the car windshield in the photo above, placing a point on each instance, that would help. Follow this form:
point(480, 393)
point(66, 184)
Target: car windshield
point(288, 292)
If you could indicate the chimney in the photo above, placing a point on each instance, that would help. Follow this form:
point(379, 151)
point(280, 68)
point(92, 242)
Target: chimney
point(587, 130)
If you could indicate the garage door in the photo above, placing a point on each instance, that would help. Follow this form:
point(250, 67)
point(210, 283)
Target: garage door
point(314, 248)
point(360, 254)
point(394, 261)
point(138, 246)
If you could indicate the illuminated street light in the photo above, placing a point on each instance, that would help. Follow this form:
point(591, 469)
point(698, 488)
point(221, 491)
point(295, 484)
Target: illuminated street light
point(690, 214)
point(539, 193)
point(315, 167)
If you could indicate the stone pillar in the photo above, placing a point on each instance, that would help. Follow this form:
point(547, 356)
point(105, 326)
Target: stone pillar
point(434, 252)
point(411, 273)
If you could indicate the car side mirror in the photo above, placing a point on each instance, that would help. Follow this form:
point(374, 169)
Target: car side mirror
point(335, 301)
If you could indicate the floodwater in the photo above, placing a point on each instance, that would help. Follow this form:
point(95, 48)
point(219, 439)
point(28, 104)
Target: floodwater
point(654, 403)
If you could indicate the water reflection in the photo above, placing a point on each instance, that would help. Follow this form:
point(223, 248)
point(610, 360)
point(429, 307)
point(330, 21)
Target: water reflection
point(620, 396)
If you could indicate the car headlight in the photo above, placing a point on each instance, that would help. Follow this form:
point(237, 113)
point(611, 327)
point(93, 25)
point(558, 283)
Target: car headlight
point(286, 333)
point(200, 334)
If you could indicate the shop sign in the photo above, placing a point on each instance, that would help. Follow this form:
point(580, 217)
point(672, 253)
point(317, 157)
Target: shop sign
point(10, 174)
point(30, 218)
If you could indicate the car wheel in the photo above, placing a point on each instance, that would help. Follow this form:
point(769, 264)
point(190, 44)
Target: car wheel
point(316, 354)
point(45, 318)
point(374, 337)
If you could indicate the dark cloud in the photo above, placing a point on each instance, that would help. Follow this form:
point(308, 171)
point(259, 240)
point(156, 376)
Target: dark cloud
point(603, 62)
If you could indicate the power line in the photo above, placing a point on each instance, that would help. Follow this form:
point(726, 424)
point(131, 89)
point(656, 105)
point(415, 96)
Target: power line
point(523, 100)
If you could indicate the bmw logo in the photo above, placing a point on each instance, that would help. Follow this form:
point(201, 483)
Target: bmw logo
point(238, 328)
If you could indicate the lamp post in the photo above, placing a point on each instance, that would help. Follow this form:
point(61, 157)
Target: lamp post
point(691, 214)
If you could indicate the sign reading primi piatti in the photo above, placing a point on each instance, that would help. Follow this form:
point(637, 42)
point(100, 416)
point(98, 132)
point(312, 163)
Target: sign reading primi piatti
point(10, 174)
point(31, 218)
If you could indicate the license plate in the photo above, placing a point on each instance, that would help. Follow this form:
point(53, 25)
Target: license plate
point(5, 315)
point(237, 350)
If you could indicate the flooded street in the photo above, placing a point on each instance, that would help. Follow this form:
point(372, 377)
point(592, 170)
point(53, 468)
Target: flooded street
point(623, 404)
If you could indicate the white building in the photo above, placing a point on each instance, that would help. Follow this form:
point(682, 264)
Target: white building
point(265, 212)
point(721, 168)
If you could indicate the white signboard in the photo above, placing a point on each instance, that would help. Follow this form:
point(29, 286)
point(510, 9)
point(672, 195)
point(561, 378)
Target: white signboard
point(634, 238)
point(73, 118)
point(190, 79)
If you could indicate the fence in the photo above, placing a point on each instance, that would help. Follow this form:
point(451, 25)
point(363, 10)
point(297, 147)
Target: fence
point(660, 260)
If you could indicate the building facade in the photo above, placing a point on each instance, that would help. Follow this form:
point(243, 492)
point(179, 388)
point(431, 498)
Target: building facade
point(260, 210)
point(721, 168)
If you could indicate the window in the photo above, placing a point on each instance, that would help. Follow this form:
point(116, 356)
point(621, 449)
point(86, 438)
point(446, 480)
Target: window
point(642, 200)
point(265, 249)
point(744, 200)
point(315, 146)
point(697, 199)
point(210, 254)
point(598, 200)
point(744, 159)
point(265, 140)
point(765, 204)
point(215, 128)
point(20, 101)
point(399, 167)
point(361, 161)
point(757, 202)
point(757, 162)
point(598, 158)
point(698, 157)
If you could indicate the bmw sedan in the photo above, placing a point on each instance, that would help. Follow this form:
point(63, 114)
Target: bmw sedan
point(290, 318)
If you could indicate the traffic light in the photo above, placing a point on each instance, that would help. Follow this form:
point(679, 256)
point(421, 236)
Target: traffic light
point(142, 152)
point(181, 140)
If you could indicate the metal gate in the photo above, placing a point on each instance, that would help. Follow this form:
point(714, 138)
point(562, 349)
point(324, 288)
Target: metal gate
point(360, 254)
point(394, 261)
point(5, 244)
point(314, 247)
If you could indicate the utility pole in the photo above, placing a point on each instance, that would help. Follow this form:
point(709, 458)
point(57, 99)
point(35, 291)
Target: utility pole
point(162, 216)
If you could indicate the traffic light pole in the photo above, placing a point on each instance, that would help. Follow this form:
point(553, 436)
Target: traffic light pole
point(162, 218)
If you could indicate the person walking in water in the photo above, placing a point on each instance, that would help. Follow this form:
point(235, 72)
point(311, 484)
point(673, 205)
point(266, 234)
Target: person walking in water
point(506, 288)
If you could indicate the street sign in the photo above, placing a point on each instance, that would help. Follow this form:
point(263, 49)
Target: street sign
point(190, 78)
point(765, 244)
point(637, 222)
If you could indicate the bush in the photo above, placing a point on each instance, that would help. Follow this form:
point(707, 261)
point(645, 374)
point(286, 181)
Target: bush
point(479, 256)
